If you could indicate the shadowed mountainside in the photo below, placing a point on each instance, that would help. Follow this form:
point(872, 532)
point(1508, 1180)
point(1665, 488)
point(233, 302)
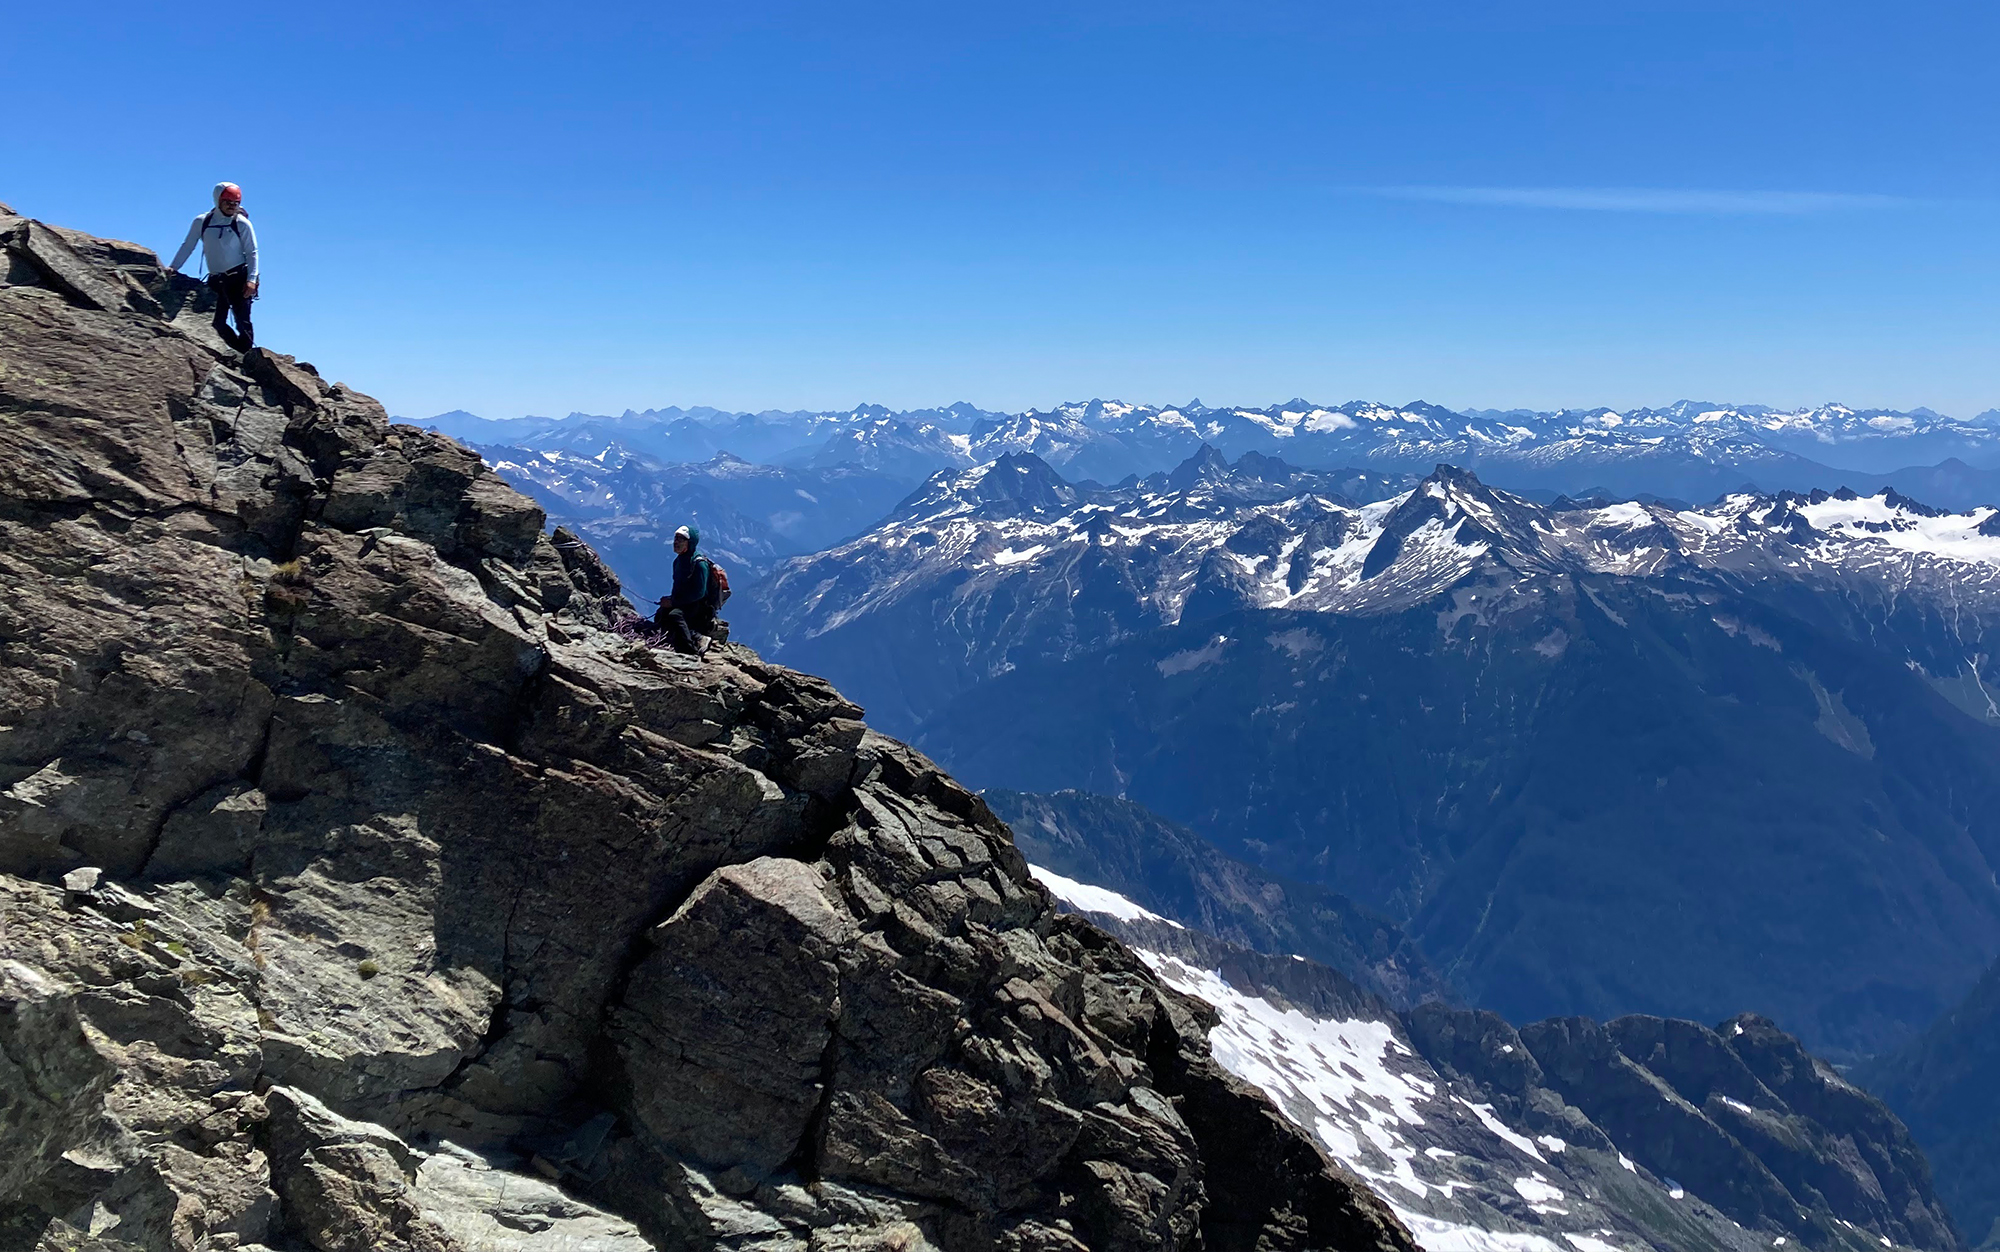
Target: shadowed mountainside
point(1946, 1085)
point(1168, 868)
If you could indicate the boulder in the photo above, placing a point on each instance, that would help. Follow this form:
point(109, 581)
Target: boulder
point(721, 1071)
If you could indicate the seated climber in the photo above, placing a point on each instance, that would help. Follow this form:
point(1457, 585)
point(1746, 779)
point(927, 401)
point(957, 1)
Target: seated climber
point(688, 612)
point(229, 249)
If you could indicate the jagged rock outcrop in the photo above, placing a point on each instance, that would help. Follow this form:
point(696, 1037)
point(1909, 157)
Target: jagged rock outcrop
point(431, 916)
point(1739, 1114)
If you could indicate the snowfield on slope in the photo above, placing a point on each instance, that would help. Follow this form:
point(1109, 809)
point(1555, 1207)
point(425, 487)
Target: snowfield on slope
point(1362, 1093)
point(1379, 1109)
point(1088, 899)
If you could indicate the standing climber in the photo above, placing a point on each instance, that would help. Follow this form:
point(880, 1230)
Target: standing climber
point(229, 249)
point(688, 611)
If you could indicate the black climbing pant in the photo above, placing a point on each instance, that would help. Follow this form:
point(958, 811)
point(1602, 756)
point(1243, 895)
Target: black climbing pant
point(682, 625)
point(232, 297)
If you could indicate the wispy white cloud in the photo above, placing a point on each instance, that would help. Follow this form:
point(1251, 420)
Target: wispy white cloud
point(1646, 200)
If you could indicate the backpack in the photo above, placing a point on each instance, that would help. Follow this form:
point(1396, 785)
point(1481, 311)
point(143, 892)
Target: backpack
point(234, 223)
point(209, 223)
point(718, 585)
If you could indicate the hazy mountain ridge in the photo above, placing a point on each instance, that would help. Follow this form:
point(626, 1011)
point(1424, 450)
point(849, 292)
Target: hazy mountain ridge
point(1695, 451)
point(627, 505)
point(675, 434)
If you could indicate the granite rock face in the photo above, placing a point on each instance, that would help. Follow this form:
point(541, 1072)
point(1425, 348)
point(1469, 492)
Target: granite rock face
point(431, 915)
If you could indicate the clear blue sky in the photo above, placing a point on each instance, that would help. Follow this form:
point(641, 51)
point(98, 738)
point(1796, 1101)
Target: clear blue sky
point(539, 208)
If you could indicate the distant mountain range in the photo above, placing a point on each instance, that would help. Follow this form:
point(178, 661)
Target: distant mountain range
point(626, 504)
point(1000, 565)
point(910, 444)
point(1531, 734)
point(768, 485)
point(1690, 450)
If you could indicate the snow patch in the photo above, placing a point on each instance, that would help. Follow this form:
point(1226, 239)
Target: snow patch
point(1193, 658)
point(1951, 535)
point(1434, 1235)
point(1298, 641)
point(1536, 1189)
point(1484, 1112)
point(1010, 556)
point(1088, 899)
point(1333, 1078)
point(1627, 514)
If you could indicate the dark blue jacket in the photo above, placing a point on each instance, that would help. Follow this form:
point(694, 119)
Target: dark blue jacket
point(690, 580)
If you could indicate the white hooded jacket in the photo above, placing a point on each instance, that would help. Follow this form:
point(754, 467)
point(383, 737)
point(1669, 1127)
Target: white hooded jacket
point(226, 242)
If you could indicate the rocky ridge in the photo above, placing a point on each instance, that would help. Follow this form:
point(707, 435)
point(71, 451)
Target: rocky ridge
point(360, 892)
point(1565, 1134)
